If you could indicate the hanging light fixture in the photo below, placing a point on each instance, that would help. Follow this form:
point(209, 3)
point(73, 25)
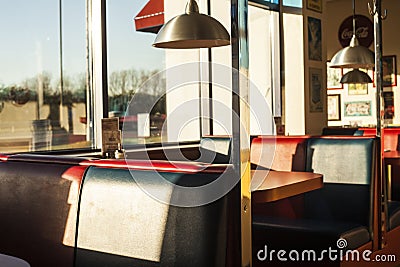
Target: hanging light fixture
point(192, 30)
point(356, 76)
point(355, 55)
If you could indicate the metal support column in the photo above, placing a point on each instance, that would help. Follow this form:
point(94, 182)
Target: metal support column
point(241, 121)
point(376, 11)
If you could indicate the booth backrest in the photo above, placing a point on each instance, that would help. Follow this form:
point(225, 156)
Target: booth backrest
point(390, 137)
point(64, 212)
point(35, 203)
point(121, 222)
point(215, 149)
point(210, 149)
point(348, 166)
point(283, 153)
point(340, 131)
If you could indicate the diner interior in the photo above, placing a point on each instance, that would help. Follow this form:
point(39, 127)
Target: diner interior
point(199, 133)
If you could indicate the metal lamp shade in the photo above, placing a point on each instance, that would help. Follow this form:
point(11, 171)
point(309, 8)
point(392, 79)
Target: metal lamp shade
point(192, 30)
point(354, 56)
point(356, 76)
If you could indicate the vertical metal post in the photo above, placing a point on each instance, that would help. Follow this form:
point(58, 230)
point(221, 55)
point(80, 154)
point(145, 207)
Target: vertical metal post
point(377, 12)
point(104, 57)
point(61, 61)
point(378, 65)
point(210, 86)
point(89, 73)
point(241, 121)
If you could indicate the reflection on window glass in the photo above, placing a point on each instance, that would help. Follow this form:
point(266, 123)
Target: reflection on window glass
point(42, 80)
point(271, 4)
point(132, 64)
point(272, 1)
point(293, 3)
point(264, 68)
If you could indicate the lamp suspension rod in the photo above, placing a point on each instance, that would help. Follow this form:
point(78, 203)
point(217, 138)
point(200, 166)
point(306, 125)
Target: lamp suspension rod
point(354, 17)
point(378, 63)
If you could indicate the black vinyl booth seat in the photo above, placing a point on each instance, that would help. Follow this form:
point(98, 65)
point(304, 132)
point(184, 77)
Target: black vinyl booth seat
point(34, 208)
point(61, 211)
point(119, 224)
point(393, 218)
point(343, 208)
point(348, 166)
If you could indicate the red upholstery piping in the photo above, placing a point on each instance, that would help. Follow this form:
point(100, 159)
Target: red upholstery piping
point(158, 165)
point(75, 173)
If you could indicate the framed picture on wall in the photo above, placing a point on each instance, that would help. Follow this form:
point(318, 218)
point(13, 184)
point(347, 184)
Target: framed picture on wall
point(357, 88)
point(357, 108)
point(388, 103)
point(315, 5)
point(334, 107)
point(333, 77)
point(314, 39)
point(315, 96)
point(389, 73)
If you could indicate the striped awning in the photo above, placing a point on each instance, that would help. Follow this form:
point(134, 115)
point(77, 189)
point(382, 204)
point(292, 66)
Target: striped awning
point(151, 17)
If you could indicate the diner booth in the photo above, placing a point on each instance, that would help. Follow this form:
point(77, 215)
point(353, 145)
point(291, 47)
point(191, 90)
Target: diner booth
point(191, 165)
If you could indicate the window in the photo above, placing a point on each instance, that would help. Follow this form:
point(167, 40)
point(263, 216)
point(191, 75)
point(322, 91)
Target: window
point(293, 3)
point(272, 1)
point(267, 4)
point(43, 84)
point(264, 69)
point(132, 67)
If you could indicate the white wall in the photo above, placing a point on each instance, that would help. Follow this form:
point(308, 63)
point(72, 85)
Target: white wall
point(183, 122)
point(220, 9)
point(183, 103)
point(261, 60)
point(294, 75)
point(336, 12)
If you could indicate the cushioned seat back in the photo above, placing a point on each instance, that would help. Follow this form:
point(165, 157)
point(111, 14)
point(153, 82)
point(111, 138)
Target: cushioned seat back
point(215, 149)
point(281, 153)
point(120, 224)
point(348, 168)
point(35, 207)
point(339, 131)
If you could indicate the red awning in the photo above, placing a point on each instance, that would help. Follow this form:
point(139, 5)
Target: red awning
point(151, 17)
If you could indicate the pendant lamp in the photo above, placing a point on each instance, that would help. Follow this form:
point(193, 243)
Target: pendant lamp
point(192, 30)
point(355, 55)
point(356, 76)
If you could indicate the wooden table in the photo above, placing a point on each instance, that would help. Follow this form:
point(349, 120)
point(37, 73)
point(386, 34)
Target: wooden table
point(392, 157)
point(279, 184)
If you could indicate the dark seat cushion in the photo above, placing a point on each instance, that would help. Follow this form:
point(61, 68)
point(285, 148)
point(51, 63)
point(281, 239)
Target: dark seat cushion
point(307, 234)
point(339, 202)
point(394, 214)
point(121, 224)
